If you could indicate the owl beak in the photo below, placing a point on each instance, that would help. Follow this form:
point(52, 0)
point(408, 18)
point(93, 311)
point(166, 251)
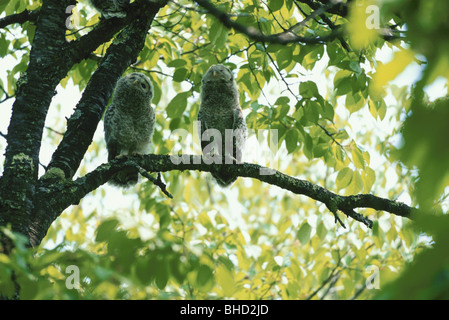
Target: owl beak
point(136, 82)
point(215, 74)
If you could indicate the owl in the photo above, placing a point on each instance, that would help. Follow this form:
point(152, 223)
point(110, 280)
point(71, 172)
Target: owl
point(111, 8)
point(129, 123)
point(221, 118)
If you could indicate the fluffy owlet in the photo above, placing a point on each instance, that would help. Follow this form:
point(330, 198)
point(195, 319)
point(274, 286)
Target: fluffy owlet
point(111, 8)
point(221, 116)
point(129, 123)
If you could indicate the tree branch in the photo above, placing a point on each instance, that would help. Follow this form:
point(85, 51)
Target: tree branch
point(20, 18)
point(279, 38)
point(320, 10)
point(79, 188)
point(103, 32)
point(339, 8)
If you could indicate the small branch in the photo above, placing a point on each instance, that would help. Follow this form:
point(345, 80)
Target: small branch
point(20, 18)
point(334, 273)
point(320, 10)
point(180, 6)
point(330, 135)
point(358, 292)
point(156, 181)
point(7, 96)
point(105, 30)
point(331, 285)
point(54, 131)
point(253, 33)
point(151, 71)
point(337, 219)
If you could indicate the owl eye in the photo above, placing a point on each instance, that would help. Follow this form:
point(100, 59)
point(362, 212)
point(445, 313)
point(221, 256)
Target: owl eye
point(144, 86)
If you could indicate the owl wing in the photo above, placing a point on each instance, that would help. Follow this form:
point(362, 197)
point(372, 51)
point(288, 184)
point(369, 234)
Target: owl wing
point(120, 7)
point(240, 134)
point(203, 127)
point(109, 128)
point(111, 8)
point(122, 4)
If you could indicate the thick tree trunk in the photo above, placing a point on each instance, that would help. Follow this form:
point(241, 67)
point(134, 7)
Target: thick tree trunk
point(35, 90)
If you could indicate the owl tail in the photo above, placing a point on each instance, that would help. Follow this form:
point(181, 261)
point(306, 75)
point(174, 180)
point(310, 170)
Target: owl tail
point(125, 178)
point(224, 179)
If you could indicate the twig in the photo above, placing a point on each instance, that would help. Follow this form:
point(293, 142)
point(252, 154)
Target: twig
point(156, 181)
point(253, 33)
point(334, 273)
point(330, 135)
point(337, 219)
point(7, 96)
point(186, 8)
point(53, 130)
point(320, 10)
point(280, 74)
point(151, 71)
point(331, 285)
point(358, 292)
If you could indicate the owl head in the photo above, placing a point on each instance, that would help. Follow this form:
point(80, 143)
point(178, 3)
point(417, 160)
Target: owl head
point(137, 84)
point(218, 74)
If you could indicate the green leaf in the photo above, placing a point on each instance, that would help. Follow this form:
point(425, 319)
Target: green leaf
point(225, 280)
point(282, 100)
point(328, 111)
point(177, 105)
point(343, 82)
point(312, 111)
point(291, 140)
point(354, 102)
point(356, 184)
point(308, 90)
point(281, 111)
point(145, 270)
point(284, 57)
point(177, 269)
point(369, 177)
point(176, 63)
point(162, 274)
point(180, 74)
point(308, 146)
point(344, 178)
point(204, 278)
point(275, 5)
point(336, 53)
point(106, 229)
point(4, 44)
point(357, 158)
point(218, 33)
point(303, 234)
